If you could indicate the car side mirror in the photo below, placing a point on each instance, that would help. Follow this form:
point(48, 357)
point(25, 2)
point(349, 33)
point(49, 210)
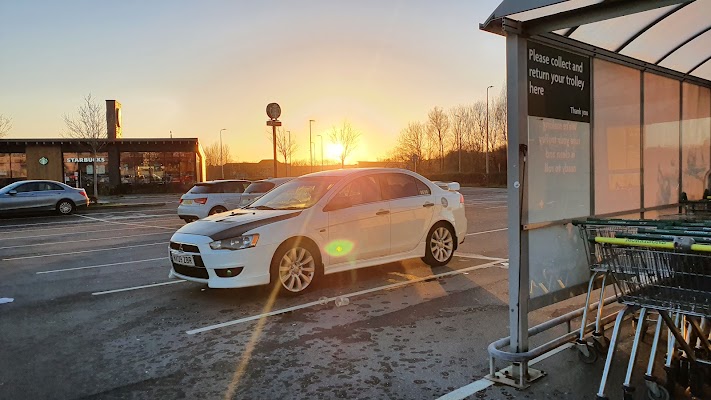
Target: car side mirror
point(12, 192)
point(338, 203)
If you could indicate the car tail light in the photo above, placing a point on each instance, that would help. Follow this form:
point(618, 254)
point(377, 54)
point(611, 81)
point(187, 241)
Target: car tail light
point(201, 200)
point(461, 198)
point(83, 193)
point(181, 201)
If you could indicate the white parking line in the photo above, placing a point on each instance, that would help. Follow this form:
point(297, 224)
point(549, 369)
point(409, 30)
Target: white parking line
point(468, 390)
point(137, 287)
point(483, 232)
point(126, 223)
point(359, 293)
point(81, 240)
point(83, 251)
point(71, 222)
point(65, 233)
point(478, 256)
point(99, 266)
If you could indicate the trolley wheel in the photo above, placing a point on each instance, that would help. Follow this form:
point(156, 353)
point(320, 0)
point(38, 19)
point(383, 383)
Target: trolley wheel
point(591, 355)
point(661, 393)
point(601, 344)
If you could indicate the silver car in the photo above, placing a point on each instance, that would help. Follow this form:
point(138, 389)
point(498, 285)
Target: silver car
point(35, 195)
point(257, 189)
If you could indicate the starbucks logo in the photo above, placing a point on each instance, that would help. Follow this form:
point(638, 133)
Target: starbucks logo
point(43, 160)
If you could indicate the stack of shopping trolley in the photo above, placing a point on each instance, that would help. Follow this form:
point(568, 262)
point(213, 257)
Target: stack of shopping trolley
point(662, 268)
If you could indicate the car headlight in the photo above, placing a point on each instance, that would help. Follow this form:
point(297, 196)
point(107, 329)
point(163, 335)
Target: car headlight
point(235, 243)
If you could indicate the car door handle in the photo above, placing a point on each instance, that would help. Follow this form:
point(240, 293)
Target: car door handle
point(382, 212)
point(428, 204)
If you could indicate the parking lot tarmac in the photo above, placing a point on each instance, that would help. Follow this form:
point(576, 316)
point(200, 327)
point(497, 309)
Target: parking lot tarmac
point(94, 315)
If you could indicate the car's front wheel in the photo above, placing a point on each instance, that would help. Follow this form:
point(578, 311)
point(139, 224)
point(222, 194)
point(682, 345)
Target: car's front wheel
point(440, 245)
point(65, 207)
point(295, 266)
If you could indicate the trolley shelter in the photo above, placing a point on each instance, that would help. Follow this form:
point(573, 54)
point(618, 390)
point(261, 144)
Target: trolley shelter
point(609, 115)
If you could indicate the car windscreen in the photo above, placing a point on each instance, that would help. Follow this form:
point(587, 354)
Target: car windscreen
point(203, 188)
point(296, 194)
point(259, 187)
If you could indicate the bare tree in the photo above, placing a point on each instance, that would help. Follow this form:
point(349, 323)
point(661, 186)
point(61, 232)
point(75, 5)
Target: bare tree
point(285, 146)
point(89, 125)
point(461, 125)
point(499, 122)
point(412, 144)
point(347, 137)
point(5, 125)
point(213, 157)
point(438, 125)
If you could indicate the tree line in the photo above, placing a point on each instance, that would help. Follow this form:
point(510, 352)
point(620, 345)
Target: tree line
point(455, 140)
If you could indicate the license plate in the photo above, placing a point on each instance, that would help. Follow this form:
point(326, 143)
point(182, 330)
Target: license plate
point(187, 202)
point(183, 259)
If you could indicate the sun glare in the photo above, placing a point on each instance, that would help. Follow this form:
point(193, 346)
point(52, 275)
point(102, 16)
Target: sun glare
point(334, 151)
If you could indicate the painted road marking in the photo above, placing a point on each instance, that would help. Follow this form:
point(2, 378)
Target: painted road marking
point(137, 287)
point(126, 223)
point(99, 266)
point(349, 295)
point(483, 232)
point(65, 233)
point(479, 257)
point(81, 240)
point(84, 251)
point(468, 390)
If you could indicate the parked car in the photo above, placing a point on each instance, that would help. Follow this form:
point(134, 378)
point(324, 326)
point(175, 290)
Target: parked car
point(36, 195)
point(257, 188)
point(322, 223)
point(213, 197)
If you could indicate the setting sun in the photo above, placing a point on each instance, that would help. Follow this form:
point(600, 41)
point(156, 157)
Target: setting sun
point(334, 151)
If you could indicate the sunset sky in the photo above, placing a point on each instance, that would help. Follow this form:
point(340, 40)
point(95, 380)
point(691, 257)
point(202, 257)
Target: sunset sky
point(194, 67)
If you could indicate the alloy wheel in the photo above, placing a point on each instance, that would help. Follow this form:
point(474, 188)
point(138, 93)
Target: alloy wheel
point(297, 269)
point(442, 244)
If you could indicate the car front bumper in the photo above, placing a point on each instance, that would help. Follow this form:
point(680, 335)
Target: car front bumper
point(248, 267)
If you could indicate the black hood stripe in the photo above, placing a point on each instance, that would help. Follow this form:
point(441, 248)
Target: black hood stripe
point(239, 230)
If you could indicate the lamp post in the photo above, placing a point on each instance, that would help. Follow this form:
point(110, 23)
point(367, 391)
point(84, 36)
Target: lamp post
point(288, 152)
point(221, 163)
point(487, 129)
point(311, 154)
point(321, 151)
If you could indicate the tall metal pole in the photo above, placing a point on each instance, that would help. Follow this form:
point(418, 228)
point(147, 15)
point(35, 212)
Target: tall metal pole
point(311, 154)
point(487, 129)
point(274, 145)
point(288, 152)
point(222, 163)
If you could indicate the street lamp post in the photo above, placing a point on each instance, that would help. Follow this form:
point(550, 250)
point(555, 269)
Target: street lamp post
point(311, 154)
point(487, 129)
point(222, 164)
point(321, 151)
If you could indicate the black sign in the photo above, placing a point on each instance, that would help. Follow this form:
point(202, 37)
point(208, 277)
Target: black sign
point(558, 84)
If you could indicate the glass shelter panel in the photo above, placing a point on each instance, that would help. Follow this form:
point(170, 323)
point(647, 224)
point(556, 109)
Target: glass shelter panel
point(661, 140)
point(616, 137)
point(695, 139)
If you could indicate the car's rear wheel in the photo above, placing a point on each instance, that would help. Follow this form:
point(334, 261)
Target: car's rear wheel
point(65, 207)
point(217, 210)
point(295, 267)
point(440, 245)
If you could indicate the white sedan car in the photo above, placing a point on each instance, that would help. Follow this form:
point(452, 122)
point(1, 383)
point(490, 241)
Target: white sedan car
point(323, 223)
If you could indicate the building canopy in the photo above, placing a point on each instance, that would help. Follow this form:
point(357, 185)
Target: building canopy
point(671, 34)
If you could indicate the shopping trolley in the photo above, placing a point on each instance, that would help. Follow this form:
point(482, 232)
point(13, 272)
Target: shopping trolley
point(673, 279)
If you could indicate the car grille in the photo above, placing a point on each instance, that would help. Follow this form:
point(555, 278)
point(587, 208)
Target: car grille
point(188, 248)
point(192, 272)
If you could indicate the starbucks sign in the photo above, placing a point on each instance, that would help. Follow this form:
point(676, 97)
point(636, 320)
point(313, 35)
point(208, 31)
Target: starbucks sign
point(43, 161)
